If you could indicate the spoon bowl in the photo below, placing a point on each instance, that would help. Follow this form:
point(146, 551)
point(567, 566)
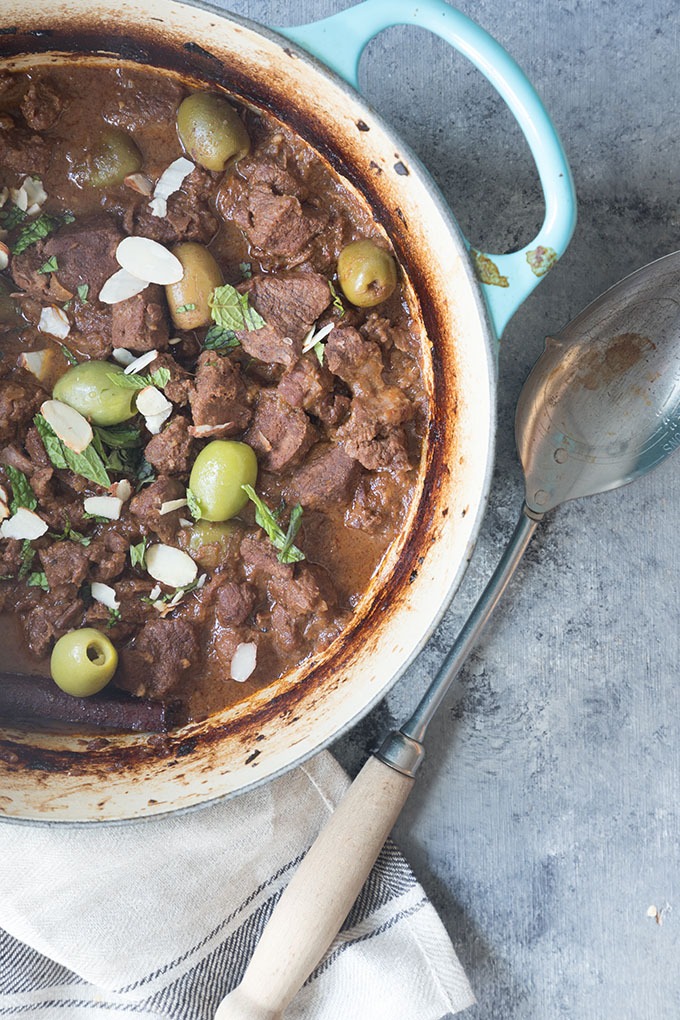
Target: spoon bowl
point(602, 403)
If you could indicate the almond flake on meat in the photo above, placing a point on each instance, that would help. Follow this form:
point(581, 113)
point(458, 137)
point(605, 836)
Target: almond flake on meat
point(148, 260)
point(4, 256)
point(201, 431)
point(150, 402)
point(104, 506)
point(313, 338)
point(122, 356)
point(54, 321)
point(139, 183)
point(38, 363)
point(105, 594)
point(155, 592)
point(154, 422)
point(137, 364)
point(121, 286)
point(244, 661)
point(35, 193)
point(170, 566)
point(172, 504)
point(25, 524)
point(4, 497)
point(68, 424)
point(4, 511)
point(121, 489)
point(19, 197)
point(169, 182)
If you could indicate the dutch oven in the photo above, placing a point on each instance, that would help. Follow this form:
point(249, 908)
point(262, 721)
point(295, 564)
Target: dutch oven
point(308, 78)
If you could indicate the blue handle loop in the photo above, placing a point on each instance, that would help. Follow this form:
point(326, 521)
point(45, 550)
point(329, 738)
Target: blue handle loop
point(507, 280)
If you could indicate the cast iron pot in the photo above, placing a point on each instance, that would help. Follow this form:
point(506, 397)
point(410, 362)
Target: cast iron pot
point(55, 777)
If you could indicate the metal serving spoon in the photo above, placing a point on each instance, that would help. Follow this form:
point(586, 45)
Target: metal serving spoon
point(600, 407)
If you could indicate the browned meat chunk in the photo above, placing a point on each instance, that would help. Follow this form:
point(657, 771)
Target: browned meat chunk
point(93, 337)
point(146, 506)
point(280, 434)
point(171, 451)
point(159, 659)
point(189, 216)
point(260, 562)
point(140, 323)
point(52, 618)
point(41, 106)
point(24, 153)
point(108, 554)
point(64, 563)
point(279, 224)
point(291, 302)
point(17, 403)
point(234, 603)
point(328, 477)
point(136, 108)
point(179, 387)
point(86, 253)
point(306, 384)
point(378, 499)
point(219, 400)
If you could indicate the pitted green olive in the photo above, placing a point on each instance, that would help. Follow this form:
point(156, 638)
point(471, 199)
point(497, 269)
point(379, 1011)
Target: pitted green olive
point(211, 543)
point(109, 158)
point(219, 471)
point(83, 661)
point(188, 300)
point(367, 273)
point(89, 389)
point(211, 131)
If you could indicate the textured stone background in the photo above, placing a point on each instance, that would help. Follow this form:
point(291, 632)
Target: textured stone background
point(545, 821)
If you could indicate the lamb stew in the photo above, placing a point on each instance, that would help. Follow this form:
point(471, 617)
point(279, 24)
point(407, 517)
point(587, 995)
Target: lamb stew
point(212, 408)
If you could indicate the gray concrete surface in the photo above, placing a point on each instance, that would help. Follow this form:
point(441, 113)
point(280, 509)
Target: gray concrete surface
point(545, 821)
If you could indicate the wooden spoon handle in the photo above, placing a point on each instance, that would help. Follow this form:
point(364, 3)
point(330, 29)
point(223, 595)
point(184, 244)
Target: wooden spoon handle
point(311, 911)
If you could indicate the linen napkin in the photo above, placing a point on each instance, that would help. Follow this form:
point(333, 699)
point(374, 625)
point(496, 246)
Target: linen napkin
point(158, 918)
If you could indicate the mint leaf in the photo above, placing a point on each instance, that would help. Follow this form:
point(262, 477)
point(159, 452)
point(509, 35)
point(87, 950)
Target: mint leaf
point(114, 617)
point(50, 266)
point(231, 310)
point(37, 229)
point(22, 493)
point(89, 463)
point(246, 270)
point(27, 555)
point(137, 381)
point(283, 541)
point(83, 290)
point(337, 303)
point(185, 308)
point(219, 339)
point(11, 216)
point(71, 358)
point(38, 579)
point(138, 554)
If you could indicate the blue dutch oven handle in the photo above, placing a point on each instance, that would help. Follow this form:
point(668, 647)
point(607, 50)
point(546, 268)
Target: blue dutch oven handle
point(338, 41)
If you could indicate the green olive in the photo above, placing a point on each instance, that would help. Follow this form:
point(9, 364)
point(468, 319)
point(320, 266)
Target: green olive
point(211, 543)
point(219, 471)
point(211, 131)
point(367, 273)
point(89, 389)
point(108, 159)
point(188, 300)
point(83, 661)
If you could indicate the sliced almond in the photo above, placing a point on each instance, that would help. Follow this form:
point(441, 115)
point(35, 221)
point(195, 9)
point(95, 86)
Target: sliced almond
point(36, 195)
point(243, 661)
point(172, 504)
point(139, 183)
point(4, 511)
point(122, 356)
point(24, 524)
point(104, 506)
point(105, 594)
point(149, 260)
point(155, 592)
point(185, 523)
point(4, 195)
point(170, 566)
point(121, 286)
point(19, 197)
point(4, 497)
point(121, 489)
point(150, 402)
point(169, 182)
point(154, 422)
point(54, 321)
point(201, 431)
point(137, 364)
point(4, 256)
point(68, 424)
point(38, 363)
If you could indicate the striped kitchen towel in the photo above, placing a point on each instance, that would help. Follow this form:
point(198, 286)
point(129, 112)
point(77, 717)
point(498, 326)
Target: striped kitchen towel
point(158, 918)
